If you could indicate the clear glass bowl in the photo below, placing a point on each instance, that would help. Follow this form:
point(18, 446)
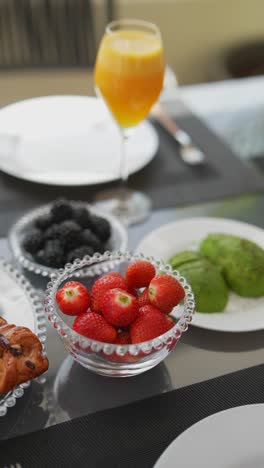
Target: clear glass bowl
point(110, 359)
point(117, 241)
point(34, 299)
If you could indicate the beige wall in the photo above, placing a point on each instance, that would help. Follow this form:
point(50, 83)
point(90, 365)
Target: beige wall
point(197, 32)
point(19, 85)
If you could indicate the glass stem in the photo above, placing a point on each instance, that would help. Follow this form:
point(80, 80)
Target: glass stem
point(123, 165)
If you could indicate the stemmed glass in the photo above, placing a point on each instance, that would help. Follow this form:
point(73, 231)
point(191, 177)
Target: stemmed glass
point(128, 76)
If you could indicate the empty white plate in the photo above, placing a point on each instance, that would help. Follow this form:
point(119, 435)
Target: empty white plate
point(68, 140)
point(230, 439)
point(241, 313)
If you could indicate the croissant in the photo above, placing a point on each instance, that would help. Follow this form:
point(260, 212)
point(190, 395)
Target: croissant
point(2, 321)
point(21, 357)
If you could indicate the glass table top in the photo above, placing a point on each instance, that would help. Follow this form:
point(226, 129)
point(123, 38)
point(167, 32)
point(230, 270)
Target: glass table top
point(70, 391)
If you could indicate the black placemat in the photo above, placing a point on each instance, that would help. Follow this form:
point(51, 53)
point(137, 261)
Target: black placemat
point(168, 180)
point(134, 435)
point(258, 162)
point(223, 174)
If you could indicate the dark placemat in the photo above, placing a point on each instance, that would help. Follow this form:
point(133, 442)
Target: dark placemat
point(168, 180)
point(258, 162)
point(134, 435)
point(171, 182)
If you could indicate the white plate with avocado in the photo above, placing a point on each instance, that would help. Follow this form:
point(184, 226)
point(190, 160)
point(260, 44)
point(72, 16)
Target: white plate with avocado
point(240, 314)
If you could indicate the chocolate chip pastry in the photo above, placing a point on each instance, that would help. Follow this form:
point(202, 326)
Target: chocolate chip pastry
point(21, 357)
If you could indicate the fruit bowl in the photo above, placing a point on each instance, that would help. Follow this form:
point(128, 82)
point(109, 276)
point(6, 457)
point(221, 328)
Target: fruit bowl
point(106, 358)
point(117, 241)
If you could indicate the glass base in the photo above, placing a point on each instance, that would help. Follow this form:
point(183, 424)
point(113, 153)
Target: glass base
point(129, 206)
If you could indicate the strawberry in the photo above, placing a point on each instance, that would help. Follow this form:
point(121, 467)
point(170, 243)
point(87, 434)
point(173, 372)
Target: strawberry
point(148, 326)
point(119, 307)
point(165, 292)
point(170, 321)
point(73, 298)
point(147, 308)
point(171, 324)
point(132, 291)
point(94, 326)
point(123, 338)
point(113, 273)
point(103, 284)
point(139, 274)
point(143, 298)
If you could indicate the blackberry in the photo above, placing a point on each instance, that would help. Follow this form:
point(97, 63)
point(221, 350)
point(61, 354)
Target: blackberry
point(40, 257)
point(44, 222)
point(90, 239)
point(71, 234)
point(101, 227)
point(54, 244)
point(33, 241)
point(54, 232)
point(61, 210)
point(52, 255)
point(82, 217)
point(67, 232)
point(80, 252)
point(51, 260)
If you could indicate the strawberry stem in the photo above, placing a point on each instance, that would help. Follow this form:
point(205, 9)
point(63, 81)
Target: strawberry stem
point(69, 293)
point(124, 299)
point(151, 292)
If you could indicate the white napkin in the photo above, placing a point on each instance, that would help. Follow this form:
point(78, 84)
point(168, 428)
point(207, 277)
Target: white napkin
point(15, 307)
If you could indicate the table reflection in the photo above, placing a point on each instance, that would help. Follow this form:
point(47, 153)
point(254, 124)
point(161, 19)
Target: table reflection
point(78, 391)
point(30, 413)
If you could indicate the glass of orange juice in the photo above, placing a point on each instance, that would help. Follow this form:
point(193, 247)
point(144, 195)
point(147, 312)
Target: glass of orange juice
point(128, 76)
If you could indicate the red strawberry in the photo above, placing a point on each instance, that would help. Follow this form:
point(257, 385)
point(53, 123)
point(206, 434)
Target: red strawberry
point(165, 292)
point(123, 338)
point(147, 308)
point(143, 298)
point(170, 321)
point(139, 274)
point(119, 307)
point(94, 326)
point(113, 273)
point(103, 284)
point(148, 326)
point(132, 291)
point(171, 324)
point(73, 298)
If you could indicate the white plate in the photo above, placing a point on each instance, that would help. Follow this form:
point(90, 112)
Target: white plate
point(68, 140)
point(20, 305)
point(230, 439)
point(241, 314)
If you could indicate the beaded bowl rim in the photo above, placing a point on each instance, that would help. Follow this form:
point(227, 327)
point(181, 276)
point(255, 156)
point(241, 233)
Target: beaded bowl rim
point(26, 260)
point(35, 303)
point(58, 323)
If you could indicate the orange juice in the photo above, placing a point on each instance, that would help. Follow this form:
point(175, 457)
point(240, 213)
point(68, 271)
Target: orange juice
point(129, 74)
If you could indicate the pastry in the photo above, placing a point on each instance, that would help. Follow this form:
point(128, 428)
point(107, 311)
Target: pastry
point(21, 357)
point(2, 321)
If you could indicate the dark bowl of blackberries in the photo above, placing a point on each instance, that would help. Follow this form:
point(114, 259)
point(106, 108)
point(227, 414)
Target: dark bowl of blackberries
point(48, 237)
